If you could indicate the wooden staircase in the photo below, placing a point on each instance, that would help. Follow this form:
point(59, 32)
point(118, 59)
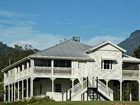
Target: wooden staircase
point(89, 91)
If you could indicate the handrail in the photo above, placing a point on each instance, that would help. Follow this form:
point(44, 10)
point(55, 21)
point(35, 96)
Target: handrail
point(101, 87)
point(78, 87)
point(104, 88)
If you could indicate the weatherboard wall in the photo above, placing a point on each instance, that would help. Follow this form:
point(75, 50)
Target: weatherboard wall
point(107, 51)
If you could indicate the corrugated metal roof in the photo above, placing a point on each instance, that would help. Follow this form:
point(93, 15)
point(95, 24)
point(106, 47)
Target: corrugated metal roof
point(127, 58)
point(69, 49)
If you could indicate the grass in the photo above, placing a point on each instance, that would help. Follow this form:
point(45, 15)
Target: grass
point(47, 101)
point(89, 103)
point(75, 103)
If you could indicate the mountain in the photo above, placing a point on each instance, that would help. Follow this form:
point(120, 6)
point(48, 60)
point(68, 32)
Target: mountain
point(131, 43)
point(4, 49)
point(9, 55)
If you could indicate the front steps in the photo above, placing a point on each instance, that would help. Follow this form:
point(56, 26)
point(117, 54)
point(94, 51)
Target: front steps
point(93, 94)
point(88, 91)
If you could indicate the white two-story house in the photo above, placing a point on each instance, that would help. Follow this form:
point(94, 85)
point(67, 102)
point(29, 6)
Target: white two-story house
point(72, 71)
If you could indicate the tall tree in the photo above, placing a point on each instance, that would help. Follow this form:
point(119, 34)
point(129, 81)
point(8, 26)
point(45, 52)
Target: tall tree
point(137, 52)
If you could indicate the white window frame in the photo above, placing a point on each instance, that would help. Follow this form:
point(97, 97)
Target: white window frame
point(110, 65)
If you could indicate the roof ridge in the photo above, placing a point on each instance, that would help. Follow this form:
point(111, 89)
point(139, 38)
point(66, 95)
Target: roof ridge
point(51, 47)
point(103, 43)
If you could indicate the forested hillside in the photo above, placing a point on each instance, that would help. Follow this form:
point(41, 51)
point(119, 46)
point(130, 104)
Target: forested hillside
point(9, 55)
point(131, 43)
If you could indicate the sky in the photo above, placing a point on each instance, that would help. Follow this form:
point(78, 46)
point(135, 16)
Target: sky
point(43, 23)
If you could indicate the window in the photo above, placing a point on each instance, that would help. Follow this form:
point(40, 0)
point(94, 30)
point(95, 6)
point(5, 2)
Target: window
point(62, 63)
point(106, 64)
point(130, 66)
point(58, 88)
point(42, 62)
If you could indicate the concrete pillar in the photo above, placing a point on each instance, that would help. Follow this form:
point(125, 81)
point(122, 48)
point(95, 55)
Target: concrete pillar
point(52, 66)
point(27, 89)
point(121, 90)
point(22, 89)
point(9, 93)
point(18, 91)
point(52, 84)
point(31, 87)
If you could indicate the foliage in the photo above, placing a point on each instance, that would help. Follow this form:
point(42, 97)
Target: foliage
point(32, 101)
point(38, 99)
point(9, 55)
point(137, 52)
point(130, 87)
point(12, 55)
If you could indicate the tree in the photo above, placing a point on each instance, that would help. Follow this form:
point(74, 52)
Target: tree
point(13, 55)
point(137, 52)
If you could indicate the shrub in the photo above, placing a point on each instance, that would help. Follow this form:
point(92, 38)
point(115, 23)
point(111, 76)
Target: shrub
point(38, 99)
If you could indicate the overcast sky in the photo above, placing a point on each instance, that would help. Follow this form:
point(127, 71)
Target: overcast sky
point(43, 23)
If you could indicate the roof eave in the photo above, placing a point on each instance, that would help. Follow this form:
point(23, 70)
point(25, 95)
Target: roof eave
point(14, 64)
point(66, 58)
point(131, 61)
point(108, 42)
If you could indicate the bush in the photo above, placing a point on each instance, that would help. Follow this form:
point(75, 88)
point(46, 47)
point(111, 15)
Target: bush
point(38, 99)
point(33, 100)
point(29, 101)
point(16, 103)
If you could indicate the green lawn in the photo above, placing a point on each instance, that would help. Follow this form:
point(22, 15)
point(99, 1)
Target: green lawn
point(89, 103)
point(77, 103)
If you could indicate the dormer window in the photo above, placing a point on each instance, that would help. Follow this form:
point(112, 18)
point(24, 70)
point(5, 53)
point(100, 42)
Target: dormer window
point(106, 64)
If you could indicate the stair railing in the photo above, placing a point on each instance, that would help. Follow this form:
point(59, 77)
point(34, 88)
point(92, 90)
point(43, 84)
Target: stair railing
point(95, 82)
point(75, 89)
point(105, 89)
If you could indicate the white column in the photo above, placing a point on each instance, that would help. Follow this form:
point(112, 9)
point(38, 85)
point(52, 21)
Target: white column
point(72, 68)
point(22, 89)
point(52, 66)
point(139, 90)
point(27, 64)
point(18, 90)
point(120, 90)
point(9, 93)
point(31, 87)
point(52, 84)
point(107, 84)
point(14, 91)
point(130, 96)
point(18, 69)
point(32, 62)
point(27, 89)
point(23, 66)
point(72, 83)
